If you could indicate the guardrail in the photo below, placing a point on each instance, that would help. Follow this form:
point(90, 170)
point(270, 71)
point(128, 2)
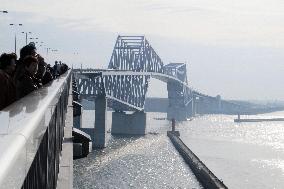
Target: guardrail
point(31, 135)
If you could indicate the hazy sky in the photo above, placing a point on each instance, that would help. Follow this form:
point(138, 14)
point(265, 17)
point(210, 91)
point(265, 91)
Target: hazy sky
point(232, 47)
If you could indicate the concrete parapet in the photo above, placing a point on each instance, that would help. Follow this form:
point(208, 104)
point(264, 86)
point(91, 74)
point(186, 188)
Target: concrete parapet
point(128, 124)
point(202, 173)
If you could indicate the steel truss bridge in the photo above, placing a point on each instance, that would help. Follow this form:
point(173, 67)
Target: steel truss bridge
point(125, 82)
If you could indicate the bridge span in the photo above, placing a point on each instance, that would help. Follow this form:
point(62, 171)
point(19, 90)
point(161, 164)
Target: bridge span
point(123, 86)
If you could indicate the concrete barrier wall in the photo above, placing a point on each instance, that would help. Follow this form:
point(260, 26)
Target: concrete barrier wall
point(128, 124)
point(27, 127)
point(202, 173)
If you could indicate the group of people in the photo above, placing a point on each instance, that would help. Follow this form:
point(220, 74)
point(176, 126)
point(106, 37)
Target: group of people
point(19, 77)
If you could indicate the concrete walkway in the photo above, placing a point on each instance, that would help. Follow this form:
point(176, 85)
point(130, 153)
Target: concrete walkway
point(65, 176)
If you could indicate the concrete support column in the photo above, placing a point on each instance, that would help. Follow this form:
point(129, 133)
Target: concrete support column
point(99, 139)
point(176, 109)
point(128, 124)
point(195, 105)
point(191, 109)
point(177, 113)
point(219, 103)
point(77, 114)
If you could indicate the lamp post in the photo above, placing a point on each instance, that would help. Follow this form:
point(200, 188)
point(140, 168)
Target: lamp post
point(33, 38)
point(40, 46)
point(15, 25)
point(27, 36)
point(54, 53)
point(4, 11)
point(75, 58)
point(47, 49)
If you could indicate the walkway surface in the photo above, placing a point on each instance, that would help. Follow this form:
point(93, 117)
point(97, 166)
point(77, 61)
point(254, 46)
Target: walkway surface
point(65, 177)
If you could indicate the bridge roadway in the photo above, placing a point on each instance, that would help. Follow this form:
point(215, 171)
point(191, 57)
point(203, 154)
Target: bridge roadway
point(194, 97)
point(89, 73)
point(111, 72)
point(160, 76)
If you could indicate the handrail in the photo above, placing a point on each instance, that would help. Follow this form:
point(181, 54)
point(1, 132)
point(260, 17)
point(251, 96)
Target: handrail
point(31, 133)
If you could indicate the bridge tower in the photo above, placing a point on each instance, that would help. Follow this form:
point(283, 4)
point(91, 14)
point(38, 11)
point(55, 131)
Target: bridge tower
point(133, 54)
point(180, 98)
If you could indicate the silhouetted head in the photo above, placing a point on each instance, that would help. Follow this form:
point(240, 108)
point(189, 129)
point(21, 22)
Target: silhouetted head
point(41, 66)
point(63, 68)
point(8, 62)
point(27, 50)
point(31, 64)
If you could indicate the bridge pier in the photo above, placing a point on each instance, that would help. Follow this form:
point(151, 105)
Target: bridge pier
point(177, 113)
point(77, 114)
point(99, 137)
point(191, 109)
point(177, 108)
point(128, 124)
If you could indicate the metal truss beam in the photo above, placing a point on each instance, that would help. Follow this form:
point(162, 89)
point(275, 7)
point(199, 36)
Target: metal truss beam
point(133, 62)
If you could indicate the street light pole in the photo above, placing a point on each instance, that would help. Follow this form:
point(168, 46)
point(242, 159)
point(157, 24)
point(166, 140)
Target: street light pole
point(26, 36)
point(34, 38)
point(40, 46)
point(47, 50)
point(75, 58)
point(16, 36)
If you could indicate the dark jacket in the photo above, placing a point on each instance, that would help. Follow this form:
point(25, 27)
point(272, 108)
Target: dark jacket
point(7, 90)
point(25, 85)
point(20, 69)
point(47, 77)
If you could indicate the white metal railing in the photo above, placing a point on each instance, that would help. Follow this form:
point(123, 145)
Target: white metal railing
point(31, 133)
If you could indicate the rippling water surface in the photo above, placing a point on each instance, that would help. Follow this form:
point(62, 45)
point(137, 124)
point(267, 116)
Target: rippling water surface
point(243, 155)
point(135, 162)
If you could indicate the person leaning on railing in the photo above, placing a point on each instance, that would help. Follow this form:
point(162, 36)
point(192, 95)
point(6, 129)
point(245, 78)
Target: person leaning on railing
point(48, 75)
point(59, 69)
point(41, 70)
point(26, 82)
point(28, 50)
point(7, 85)
point(63, 69)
